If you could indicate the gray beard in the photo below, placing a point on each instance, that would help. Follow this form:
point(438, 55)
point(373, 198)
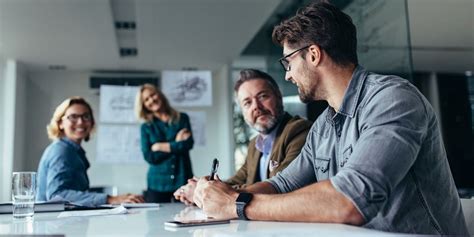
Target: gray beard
point(268, 127)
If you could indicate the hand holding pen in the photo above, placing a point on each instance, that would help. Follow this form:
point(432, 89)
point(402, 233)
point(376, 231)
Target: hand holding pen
point(215, 197)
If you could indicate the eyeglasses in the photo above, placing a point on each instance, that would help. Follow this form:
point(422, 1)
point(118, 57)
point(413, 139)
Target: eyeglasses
point(73, 118)
point(284, 61)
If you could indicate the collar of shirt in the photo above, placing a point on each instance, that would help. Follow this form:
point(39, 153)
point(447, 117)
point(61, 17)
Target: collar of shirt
point(264, 142)
point(351, 97)
point(78, 148)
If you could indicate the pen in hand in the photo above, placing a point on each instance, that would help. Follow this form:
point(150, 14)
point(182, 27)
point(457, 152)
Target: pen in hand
point(215, 165)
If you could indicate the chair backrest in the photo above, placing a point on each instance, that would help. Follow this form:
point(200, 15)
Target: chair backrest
point(468, 209)
point(109, 190)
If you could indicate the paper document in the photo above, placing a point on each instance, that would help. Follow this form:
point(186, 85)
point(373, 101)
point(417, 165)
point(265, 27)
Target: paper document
point(115, 211)
point(133, 205)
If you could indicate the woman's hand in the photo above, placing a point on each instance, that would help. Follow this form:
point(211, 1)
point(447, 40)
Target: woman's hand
point(125, 198)
point(183, 135)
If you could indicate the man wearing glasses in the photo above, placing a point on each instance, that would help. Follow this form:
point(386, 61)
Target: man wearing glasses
point(374, 158)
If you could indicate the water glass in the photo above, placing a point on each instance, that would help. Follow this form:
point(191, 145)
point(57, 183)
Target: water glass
point(23, 194)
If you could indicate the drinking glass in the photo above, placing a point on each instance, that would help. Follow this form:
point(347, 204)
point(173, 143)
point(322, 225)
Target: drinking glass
point(23, 194)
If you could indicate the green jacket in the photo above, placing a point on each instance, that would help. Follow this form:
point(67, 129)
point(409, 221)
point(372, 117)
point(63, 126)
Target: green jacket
point(289, 141)
point(168, 171)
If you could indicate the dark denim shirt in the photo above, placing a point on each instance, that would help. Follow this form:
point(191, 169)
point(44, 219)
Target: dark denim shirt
point(62, 174)
point(384, 151)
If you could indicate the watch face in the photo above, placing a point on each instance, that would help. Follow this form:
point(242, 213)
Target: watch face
point(244, 198)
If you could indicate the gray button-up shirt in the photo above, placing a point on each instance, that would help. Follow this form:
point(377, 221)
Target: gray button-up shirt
point(384, 151)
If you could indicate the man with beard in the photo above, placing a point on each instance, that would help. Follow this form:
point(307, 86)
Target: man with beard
point(374, 158)
point(280, 135)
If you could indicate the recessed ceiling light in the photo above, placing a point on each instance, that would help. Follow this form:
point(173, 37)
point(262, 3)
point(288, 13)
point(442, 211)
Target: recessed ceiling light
point(125, 25)
point(128, 52)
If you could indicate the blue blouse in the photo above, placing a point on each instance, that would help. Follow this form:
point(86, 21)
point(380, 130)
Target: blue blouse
point(62, 173)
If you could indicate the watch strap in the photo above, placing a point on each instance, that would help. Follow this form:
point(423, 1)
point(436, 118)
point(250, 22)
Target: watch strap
point(241, 212)
point(242, 201)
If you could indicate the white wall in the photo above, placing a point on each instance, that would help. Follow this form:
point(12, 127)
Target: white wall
point(468, 210)
point(3, 194)
point(8, 108)
point(48, 89)
point(2, 95)
point(21, 118)
point(12, 121)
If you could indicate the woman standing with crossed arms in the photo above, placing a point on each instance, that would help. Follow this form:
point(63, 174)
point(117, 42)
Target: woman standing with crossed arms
point(166, 139)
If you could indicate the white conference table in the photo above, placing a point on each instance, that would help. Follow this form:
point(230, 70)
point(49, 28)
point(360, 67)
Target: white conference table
point(150, 222)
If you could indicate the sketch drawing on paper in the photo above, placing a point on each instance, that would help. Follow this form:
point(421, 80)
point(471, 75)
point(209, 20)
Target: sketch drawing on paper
point(122, 102)
point(117, 104)
point(189, 89)
point(119, 143)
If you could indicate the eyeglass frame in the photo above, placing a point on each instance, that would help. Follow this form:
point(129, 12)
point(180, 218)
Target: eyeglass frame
point(284, 60)
point(86, 117)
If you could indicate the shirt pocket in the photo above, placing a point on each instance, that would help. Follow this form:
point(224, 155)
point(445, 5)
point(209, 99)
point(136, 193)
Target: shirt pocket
point(322, 168)
point(345, 156)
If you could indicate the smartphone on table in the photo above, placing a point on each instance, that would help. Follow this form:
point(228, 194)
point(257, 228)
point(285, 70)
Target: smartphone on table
point(188, 223)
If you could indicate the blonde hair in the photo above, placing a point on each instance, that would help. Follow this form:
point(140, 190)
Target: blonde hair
point(54, 132)
point(144, 114)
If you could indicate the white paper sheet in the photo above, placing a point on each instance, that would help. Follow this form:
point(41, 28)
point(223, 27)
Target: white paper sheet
point(117, 104)
point(133, 205)
point(101, 212)
point(119, 144)
point(187, 88)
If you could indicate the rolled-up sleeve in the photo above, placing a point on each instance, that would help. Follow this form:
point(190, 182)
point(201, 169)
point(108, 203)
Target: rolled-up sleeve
point(393, 128)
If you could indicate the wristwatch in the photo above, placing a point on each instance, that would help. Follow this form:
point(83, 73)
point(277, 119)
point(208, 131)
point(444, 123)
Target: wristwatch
point(242, 200)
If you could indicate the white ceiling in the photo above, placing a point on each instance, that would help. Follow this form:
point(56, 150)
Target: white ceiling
point(170, 34)
point(205, 34)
